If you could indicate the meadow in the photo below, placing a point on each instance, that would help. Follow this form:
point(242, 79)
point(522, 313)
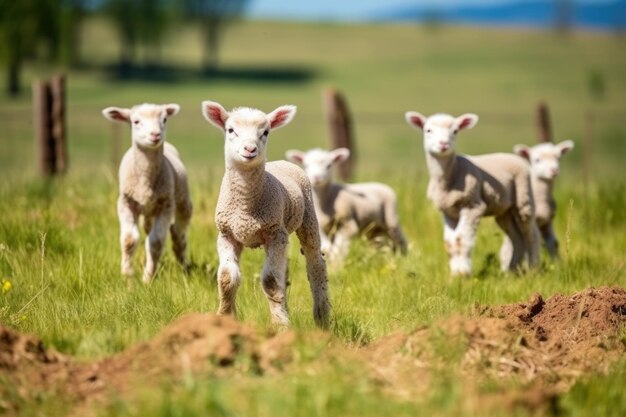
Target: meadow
point(59, 254)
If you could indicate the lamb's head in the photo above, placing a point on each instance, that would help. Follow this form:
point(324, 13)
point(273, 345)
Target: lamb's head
point(544, 158)
point(317, 163)
point(440, 130)
point(148, 122)
point(246, 130)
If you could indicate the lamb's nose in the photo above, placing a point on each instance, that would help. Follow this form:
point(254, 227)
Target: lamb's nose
point(250, 148)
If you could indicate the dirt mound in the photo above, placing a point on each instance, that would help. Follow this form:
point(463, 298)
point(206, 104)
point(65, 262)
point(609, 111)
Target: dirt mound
point(194, 345)
point(545, 344)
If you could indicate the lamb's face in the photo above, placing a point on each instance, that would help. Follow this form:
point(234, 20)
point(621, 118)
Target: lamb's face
point(317, 163)
point(439, 134)
point(246, 130)
point(246, 133)
point(440, 130)
point(148, 122)
point(544, 158)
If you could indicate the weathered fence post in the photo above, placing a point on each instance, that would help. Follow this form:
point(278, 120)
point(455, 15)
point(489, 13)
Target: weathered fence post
point(543, 122)
point(340, 129)
point(49, 125)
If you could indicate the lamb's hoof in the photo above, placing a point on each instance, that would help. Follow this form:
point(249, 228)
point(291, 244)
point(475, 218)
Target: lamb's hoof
point(460, 267)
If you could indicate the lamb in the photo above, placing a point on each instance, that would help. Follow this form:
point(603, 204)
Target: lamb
point(544, 168)
point(466, 188)
point(261, 204)
point(152, 184)
point(344, 210)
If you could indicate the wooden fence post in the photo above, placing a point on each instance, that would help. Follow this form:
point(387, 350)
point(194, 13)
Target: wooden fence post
point(59, 132)
point(543, 122)
point(41, 115)
point(340, 129)
point(49, 125)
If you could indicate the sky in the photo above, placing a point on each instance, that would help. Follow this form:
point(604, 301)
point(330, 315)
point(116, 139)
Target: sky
point(352, 10)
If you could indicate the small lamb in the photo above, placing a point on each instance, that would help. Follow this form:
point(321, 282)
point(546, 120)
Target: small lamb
point(261, 204)
point(152, 184)
point(345, 210)
point(466, 188)
point(544, 168)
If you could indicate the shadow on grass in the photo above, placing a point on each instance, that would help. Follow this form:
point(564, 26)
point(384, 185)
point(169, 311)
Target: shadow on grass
point(163, 73)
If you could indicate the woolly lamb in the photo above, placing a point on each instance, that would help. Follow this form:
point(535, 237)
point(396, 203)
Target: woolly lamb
point(544, 168)
point(261, 204)
point(344, 210)
point(466, 188)
point(153, 183)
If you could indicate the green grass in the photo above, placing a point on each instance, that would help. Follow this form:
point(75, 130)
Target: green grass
point(59, 238)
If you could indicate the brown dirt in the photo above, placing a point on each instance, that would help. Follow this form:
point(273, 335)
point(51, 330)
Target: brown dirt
point(544, 345)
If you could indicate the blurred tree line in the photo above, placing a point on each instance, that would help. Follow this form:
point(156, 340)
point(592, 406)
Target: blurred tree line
point(50, 30)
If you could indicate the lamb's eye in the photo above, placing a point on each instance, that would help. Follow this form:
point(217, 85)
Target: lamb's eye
point(429, 130)
point(165, 120)
point(456, 131)
point(266, 133)
point(136, 122)
point(231, 130)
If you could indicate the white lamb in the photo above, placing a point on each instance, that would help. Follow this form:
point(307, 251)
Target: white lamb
point(466, 188)
point(544, 168)
point(152, 184)
point(261, 204)
point(345, 210)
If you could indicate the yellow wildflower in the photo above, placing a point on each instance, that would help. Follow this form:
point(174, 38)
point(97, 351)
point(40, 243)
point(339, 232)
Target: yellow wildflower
point(6, 286)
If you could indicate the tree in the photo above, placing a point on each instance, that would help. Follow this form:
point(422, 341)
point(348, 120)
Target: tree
point(125, 14)
point(19, 30)
point(213, 16)
point(72, 15)
point(138, 22)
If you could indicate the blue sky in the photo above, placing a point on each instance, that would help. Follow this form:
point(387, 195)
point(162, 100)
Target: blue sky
point(351, 10)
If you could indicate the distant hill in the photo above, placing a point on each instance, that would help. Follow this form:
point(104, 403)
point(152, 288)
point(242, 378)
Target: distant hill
point(540, 13)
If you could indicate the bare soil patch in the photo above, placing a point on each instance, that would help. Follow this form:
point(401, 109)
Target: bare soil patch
point(543, 344)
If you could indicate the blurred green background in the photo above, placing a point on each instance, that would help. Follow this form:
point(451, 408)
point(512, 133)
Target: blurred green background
point(383, 69)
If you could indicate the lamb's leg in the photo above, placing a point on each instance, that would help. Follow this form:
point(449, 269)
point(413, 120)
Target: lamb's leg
point(179, 231)
point(531, 237)
point(228, 273)
point(512, 250)
point(550, 240)
point(392, 224)
point(525, 218)
point(461, 241)
point(343, 237)
point(155, 244)
point(274, 278)
point(129, 234)
point(308, 234)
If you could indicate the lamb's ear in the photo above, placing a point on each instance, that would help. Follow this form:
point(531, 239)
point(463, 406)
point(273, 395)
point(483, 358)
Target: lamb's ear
point(523, 151)
point(215, 113)
point(466, 121)
point(295, 155)
point(340, 154)
point(117, 114)
point(281, 116)
point(565, 146)
point(171, 109)
point(415, 119)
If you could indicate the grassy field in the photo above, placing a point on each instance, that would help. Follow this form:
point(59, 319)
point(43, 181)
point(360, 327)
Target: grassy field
point(59, 238)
